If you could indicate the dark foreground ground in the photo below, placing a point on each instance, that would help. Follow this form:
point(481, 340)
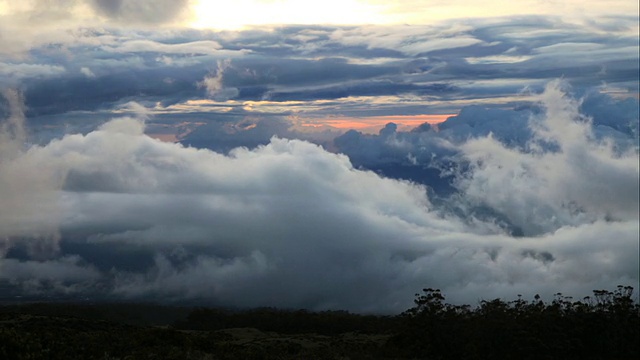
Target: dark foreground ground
point(605, 326)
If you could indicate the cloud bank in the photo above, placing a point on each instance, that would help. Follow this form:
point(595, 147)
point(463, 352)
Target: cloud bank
point(315, 72)
point(528, 187)
point(290, 224)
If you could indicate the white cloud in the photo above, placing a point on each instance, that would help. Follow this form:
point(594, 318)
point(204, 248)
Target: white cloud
point(577, 181)
point(87, 72)
point(14, 72)
point(292, 225)
point(57, 20)
point(411, 40)
point(214, 85)
point(189, 48)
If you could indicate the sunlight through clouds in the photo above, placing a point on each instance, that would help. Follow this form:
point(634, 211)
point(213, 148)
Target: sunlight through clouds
point(242, 13)
point(245, 13)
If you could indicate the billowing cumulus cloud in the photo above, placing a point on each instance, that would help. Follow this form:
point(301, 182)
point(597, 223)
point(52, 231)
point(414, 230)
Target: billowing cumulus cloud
point(289, 224)
point(564, 177)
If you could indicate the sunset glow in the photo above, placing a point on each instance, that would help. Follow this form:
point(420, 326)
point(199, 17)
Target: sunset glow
point(374, 124)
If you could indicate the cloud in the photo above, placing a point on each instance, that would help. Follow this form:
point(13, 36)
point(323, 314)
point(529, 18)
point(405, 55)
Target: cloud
point(611, 120)
point(565, 177)
point(213, 83)
point(411, 40)
point(192, 48)
point(27, 186)
point(14, 73)
point(144, 12)
point(368, 70)
point(564, 168)
point(87, 72)
point(290, 224)
point(66, 275)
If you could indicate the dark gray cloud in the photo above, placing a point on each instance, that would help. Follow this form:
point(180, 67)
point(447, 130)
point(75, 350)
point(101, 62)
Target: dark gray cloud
point(140, 11)
point(437, 68)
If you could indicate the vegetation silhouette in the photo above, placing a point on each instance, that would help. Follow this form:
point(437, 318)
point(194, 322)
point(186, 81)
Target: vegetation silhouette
point(605, 326)
point(602, 326)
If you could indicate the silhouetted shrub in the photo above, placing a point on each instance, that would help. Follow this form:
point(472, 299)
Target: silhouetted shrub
point(604, 328)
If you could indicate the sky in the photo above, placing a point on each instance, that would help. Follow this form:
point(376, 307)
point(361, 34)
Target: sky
point(317, 154)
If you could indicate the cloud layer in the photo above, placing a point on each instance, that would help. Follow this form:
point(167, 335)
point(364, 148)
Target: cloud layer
point(317, 72)
point(289, 224)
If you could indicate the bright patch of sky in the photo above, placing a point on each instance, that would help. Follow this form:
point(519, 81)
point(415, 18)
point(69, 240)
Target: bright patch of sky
point(243, 13)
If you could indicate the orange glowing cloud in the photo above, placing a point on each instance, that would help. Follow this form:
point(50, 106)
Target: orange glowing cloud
point(375, 123)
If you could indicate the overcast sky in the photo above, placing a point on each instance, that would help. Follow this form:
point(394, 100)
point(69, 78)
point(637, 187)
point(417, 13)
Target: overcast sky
point(317, 154)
